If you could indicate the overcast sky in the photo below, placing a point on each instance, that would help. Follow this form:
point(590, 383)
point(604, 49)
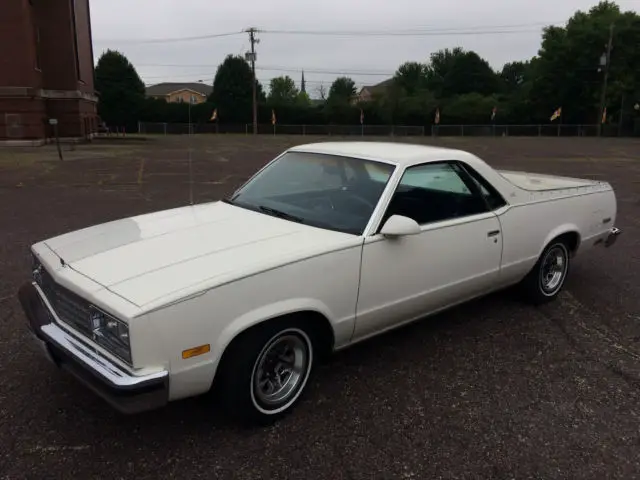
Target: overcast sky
point(123, 24)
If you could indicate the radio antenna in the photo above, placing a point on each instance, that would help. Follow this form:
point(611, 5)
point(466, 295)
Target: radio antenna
point(190, 162)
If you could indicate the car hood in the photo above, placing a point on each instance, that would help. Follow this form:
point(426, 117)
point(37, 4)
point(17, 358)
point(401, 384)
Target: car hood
point(182, 251)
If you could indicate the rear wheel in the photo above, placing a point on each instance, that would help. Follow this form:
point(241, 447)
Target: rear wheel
point(546, 279)
point(266, 370)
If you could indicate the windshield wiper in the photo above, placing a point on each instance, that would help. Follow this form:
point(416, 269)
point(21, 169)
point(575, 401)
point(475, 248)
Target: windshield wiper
point(280, 214)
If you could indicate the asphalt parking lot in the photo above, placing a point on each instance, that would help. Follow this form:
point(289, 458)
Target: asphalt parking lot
point(492, 389)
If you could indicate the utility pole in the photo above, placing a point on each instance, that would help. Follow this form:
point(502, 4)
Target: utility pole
point(603, 94)
point(252, 57)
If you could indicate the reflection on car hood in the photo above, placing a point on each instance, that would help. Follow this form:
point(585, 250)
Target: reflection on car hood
point(148, 257)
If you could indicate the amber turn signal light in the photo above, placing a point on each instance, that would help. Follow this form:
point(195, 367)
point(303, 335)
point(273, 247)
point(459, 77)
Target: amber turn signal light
point(195, 351)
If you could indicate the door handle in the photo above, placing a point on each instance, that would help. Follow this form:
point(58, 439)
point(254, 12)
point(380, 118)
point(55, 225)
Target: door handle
point(493, 233)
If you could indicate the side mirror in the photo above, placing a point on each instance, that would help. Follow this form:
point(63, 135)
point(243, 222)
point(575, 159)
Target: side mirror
point(398, 225)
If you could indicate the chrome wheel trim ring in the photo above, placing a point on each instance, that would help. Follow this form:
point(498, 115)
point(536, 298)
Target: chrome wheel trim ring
point(280, 371)
point(553, 269)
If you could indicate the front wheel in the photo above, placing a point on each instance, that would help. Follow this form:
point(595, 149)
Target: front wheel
point(266, 371)
point(545, 281)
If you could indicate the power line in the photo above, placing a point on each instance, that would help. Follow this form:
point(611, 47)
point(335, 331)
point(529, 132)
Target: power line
point(260, 79)
point(399, 34)
point(418, 31)
point(196, 74)
point(168, 40)
point(317, 82)
point(323, 72)
point(336, 71)
point(474, 30)
point(288, 69)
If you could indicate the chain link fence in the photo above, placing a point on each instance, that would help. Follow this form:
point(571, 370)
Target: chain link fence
point(558, 130)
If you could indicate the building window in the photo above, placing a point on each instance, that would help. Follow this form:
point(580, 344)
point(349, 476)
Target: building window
point(14, 125)
point(38, 67)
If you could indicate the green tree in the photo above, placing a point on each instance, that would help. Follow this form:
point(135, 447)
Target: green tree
point(232, 90)
point(343, 90)
point(456, 72)
point(338, 107)
point(514, 75)
point(121, 92)
point(282, 91)
point(303, 100)
point(469, 108)
point(411, 77)
point(569, 73)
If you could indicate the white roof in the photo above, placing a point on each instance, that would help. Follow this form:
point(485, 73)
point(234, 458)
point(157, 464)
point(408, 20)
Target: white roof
point(398, 153)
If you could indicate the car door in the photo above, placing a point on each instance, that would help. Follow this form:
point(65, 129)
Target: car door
point(455, 257)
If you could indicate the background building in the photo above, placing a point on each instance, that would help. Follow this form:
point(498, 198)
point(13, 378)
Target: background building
point(180, 92)
point(367, 93)
point(46, 70)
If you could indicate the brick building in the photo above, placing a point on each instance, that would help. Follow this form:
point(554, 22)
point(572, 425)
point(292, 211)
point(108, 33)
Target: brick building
point(46, 70)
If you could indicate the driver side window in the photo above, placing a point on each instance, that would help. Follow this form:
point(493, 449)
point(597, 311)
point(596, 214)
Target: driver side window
point(434, 192)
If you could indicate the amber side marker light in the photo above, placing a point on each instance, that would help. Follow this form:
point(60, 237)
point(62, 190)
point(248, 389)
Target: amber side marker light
point(195, 351)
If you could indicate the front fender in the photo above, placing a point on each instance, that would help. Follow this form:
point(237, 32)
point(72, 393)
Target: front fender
point(267, 312)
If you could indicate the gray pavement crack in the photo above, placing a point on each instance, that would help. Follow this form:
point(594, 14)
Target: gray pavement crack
point(576, 308)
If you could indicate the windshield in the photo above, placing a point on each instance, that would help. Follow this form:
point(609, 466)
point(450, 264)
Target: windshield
point(327, 191)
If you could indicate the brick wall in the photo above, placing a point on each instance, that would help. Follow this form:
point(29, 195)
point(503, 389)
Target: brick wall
point(17, 37)
point(22, 118)
point(57, 45)
point(85, 48)
point(76, 118)
point(51, 56)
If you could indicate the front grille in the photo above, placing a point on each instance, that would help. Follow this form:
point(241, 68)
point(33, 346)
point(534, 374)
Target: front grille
point(70, 308)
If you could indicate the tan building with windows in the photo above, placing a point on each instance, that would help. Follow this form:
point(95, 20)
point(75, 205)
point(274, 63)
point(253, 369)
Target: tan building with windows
point(180, 92)
point(367, 93)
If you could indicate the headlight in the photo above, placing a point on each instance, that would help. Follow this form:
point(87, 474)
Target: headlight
point(110, 333)
point(35, 263)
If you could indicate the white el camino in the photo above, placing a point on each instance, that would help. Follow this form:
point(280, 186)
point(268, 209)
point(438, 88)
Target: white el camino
point(327, 245)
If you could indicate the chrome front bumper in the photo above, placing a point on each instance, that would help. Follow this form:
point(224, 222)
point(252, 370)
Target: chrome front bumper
point(613, 235)
point(126, 392)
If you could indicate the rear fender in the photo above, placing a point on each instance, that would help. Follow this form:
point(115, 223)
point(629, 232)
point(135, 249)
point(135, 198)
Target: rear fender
point(556, 232)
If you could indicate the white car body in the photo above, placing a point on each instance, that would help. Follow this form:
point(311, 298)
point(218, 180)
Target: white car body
point(202, 274)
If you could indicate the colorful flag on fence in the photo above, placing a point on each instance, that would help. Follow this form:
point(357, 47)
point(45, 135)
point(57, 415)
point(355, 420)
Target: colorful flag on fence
point(556, 114)
point(604, 115)
point(273, 117)
point(214, 115)
point(493, 113)
point(361, 117)
point(437, 119)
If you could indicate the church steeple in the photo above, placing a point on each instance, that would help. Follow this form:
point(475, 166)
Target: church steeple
point(303, 86)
